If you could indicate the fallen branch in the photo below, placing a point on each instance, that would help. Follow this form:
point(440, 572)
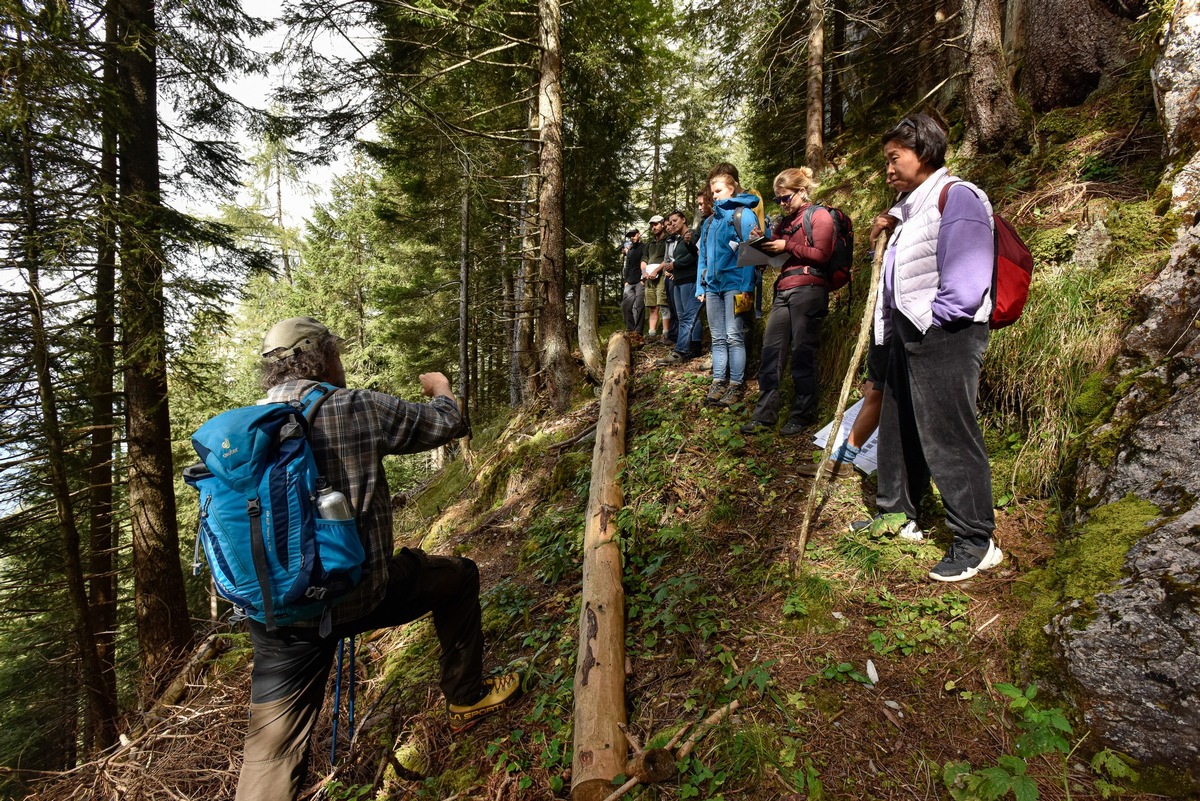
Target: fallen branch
point(209, 650)
point(657, 764)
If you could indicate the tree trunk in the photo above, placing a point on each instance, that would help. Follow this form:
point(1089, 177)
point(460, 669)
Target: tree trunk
point(464, 299)
point(992, 119)
point(600, 747)
point(814, 140)
point(164, 628)
point(279, 221)
point(557, 364)
point(102, 589)
point(526, 354)
point(837, 101)
point(589, 338)
point(1069, 47)
point(655, 167)
point(101, 706)
point(514, 349)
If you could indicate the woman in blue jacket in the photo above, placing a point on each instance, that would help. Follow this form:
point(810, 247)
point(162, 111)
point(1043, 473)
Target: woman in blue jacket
point(721, 280)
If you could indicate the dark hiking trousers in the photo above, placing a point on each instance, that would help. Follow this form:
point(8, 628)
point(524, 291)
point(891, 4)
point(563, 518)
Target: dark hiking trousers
point(291, 666)
point(793, 330)
point(928, 427)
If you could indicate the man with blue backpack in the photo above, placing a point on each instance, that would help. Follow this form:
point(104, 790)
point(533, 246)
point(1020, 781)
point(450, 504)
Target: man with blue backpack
point(349, 431)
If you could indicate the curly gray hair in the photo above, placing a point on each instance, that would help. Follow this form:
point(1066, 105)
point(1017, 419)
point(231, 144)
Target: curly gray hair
point(315, 365)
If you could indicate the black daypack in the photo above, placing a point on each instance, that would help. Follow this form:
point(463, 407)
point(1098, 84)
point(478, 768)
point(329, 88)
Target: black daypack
point(837, 269)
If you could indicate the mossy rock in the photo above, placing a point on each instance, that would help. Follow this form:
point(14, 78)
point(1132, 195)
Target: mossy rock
point(1088, 562)
point(1054, 245)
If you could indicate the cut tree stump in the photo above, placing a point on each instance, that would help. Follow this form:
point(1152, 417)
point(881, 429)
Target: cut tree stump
point(600, 746)
point(589, 338)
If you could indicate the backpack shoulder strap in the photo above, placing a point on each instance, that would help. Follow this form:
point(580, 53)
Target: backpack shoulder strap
point(807, 220)
point(313, 399)
point(945, 193)
point(737, 223)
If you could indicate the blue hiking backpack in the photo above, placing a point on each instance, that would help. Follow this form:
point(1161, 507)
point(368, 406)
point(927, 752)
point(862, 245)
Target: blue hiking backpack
point(270, 554)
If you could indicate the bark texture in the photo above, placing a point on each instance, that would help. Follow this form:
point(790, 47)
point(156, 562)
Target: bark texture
point(556, 345)
point(600, 746)
point(992, 119)
point(814, 140)
point(163, 625)
point(589, 338)
point(1068, 47)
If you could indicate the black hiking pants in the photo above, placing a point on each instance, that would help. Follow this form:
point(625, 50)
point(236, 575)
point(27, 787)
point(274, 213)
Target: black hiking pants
point(793, 330)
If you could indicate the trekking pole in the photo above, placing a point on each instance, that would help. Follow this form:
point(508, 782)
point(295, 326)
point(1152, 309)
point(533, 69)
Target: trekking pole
point(337, 700)
point(851, 374)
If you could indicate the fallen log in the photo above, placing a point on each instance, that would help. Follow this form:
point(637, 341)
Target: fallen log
point(600, 746)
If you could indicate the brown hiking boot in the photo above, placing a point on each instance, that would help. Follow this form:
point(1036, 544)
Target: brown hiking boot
point(733, 394)
point(715, 393)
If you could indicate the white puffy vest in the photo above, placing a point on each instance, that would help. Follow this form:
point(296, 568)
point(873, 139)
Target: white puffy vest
point(916, 277)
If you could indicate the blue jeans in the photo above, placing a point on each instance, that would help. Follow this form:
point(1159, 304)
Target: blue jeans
point(686, 306)
point(728, 342)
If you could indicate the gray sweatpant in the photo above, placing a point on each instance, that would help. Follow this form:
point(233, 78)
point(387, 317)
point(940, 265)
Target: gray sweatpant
point(928, 427)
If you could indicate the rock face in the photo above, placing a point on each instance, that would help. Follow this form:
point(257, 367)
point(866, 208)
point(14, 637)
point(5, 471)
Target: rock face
point(1135, 660)
point(1176, 78)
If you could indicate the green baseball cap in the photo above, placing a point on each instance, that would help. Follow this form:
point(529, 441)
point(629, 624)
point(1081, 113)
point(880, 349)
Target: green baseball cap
point(294, 335)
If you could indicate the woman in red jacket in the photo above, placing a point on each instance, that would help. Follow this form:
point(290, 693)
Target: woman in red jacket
point(806, 233)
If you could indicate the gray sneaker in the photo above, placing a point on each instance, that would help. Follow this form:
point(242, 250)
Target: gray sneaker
point(674, 358)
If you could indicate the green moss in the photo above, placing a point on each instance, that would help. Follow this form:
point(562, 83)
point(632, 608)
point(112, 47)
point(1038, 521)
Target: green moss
point(1085, 564)
point(1162, 781)
point(572, 471)
point(1106, 443)
point(1053, 245)
point(1092, 399)
point(413, 661)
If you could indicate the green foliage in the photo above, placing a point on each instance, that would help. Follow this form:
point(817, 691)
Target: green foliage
point(919, 626)
point(842, 672)
point(1044, 731)
point(808, 596)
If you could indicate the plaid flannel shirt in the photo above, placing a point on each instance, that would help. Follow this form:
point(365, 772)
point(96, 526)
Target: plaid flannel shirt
point(354, 430)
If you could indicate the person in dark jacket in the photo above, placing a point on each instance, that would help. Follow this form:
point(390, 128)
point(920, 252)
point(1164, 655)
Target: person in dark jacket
point(681, 268)
point(633, 298)
point(801, 303)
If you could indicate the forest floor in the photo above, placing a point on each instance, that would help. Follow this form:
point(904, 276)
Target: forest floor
point(857, 678)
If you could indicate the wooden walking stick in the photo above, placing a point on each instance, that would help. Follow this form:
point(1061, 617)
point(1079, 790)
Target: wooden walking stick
point(860, 346)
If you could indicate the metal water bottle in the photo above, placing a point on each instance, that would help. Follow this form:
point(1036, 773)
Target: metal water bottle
point(331, 504)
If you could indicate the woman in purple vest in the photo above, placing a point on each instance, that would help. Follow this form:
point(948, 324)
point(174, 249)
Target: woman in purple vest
point(933, 310)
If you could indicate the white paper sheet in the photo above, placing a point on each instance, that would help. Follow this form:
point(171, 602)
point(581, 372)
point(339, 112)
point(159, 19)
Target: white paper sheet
point(866, 461)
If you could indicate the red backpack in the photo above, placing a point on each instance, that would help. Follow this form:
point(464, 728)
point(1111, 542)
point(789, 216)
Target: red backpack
point(1011, 272)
